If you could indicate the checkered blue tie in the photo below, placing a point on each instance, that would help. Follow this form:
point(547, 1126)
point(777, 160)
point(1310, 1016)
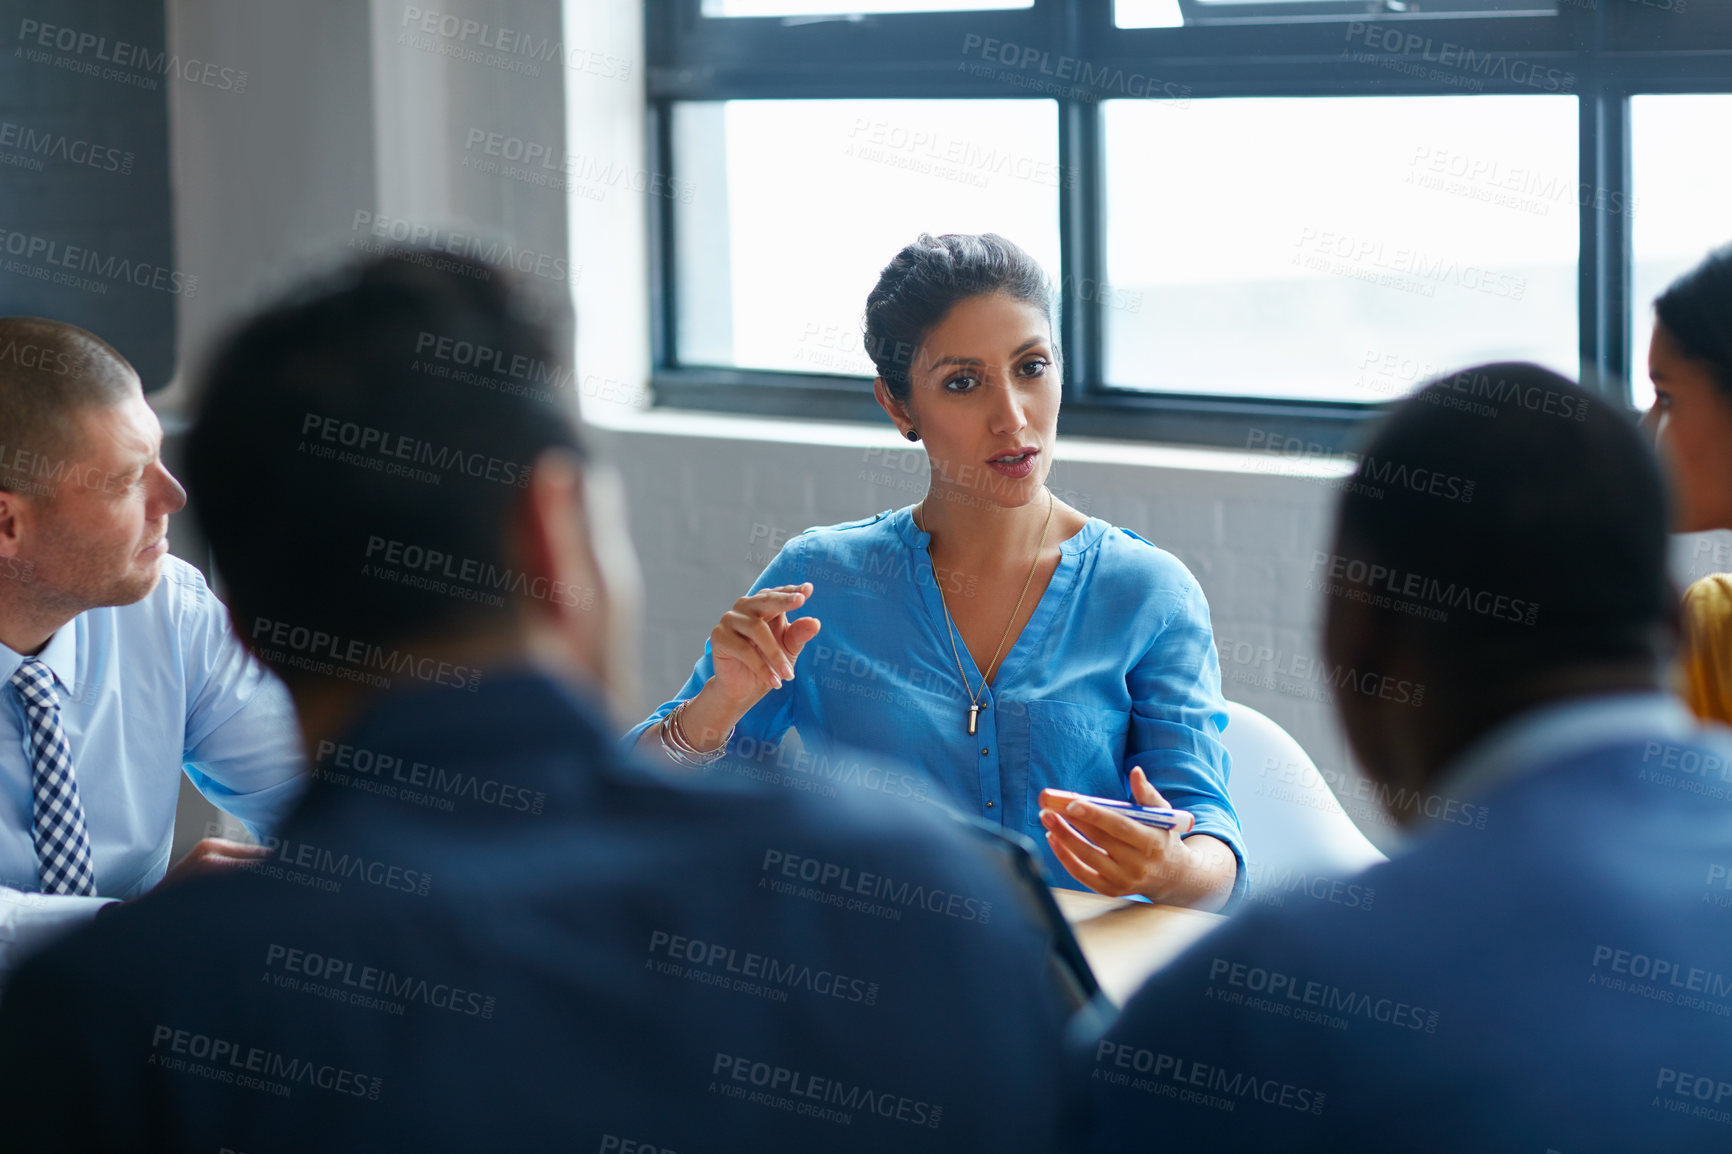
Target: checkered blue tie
point(62, 840)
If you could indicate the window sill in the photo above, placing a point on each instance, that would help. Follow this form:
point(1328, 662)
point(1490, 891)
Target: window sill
point(672, 422)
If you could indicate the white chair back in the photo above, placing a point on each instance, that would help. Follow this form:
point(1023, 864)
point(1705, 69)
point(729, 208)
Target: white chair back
point(1293, 823)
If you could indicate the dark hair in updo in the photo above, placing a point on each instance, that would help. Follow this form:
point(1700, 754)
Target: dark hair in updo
point(927, 279)
point(1696, 309)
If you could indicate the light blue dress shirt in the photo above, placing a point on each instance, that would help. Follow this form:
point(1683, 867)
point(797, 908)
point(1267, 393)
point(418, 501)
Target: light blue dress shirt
point(146, 690)
point(1116, 668)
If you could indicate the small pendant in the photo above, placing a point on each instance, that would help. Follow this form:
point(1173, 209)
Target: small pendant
point(973, 712)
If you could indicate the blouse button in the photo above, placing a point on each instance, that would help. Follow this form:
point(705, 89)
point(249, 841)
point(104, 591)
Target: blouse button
point(983, 753)
point(989, 805)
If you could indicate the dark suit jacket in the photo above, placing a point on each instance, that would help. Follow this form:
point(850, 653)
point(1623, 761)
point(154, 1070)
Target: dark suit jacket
point(484, 930)
point(1558, 979)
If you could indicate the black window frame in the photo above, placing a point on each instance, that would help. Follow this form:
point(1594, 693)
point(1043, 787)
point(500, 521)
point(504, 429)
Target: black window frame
point(1614, 49)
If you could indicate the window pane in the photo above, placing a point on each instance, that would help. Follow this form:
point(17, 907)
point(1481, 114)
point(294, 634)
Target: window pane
point(1681, 205)
point(790, 210)
point(1174, 13)
point(1147, 14)
point(849, 7)
point(1337, 248)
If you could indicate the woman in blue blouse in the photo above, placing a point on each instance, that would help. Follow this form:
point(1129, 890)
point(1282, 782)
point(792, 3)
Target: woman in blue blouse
point(992, 635)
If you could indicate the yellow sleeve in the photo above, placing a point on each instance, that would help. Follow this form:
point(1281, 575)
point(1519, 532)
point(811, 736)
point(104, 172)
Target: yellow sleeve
point(1707, 656)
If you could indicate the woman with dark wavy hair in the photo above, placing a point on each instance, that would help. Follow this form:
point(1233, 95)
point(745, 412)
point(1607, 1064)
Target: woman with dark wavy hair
point(1007, 644)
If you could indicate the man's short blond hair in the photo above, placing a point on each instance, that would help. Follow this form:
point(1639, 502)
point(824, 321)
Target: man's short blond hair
point(49, 371)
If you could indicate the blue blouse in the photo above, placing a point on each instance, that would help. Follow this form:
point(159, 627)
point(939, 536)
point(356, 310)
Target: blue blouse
point(1116, 668)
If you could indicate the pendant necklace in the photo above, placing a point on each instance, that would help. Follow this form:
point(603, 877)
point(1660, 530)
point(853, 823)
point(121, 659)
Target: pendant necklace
point(950, 629)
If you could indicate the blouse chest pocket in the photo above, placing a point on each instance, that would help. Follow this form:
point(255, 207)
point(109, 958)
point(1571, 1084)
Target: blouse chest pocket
point(1076, 747)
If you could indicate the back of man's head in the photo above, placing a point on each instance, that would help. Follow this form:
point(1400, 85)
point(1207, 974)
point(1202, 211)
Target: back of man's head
point(1505, 530)
point(363, 452)
point(49, 371)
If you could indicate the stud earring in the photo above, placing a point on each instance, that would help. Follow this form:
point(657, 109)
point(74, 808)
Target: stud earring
point(912, 435)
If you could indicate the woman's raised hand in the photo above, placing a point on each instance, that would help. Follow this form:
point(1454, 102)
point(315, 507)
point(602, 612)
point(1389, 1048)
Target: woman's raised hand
point(753, 649)
point(754, 645)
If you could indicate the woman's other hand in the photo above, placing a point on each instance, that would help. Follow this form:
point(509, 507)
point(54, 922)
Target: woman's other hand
point(1115, 855)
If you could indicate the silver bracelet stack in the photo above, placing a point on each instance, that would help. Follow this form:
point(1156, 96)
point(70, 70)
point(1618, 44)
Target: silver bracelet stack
point(681, 751)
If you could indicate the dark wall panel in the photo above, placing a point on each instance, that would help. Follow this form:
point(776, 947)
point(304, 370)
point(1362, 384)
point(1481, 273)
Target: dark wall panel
point(86, 216)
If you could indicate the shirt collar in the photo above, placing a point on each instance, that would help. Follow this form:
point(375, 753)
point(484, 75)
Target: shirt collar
point(1552, 733)
point(60, 655)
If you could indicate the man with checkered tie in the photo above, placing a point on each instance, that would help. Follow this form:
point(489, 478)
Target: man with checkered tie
point(118, 668)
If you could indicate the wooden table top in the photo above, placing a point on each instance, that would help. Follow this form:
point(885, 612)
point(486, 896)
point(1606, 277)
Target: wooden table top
point(1126, 941)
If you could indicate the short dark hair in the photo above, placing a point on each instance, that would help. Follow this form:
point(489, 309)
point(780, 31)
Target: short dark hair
point(1525, 511)
point(363, 448)
point(48, 371)
point(1696, 309)
point(927, 279)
